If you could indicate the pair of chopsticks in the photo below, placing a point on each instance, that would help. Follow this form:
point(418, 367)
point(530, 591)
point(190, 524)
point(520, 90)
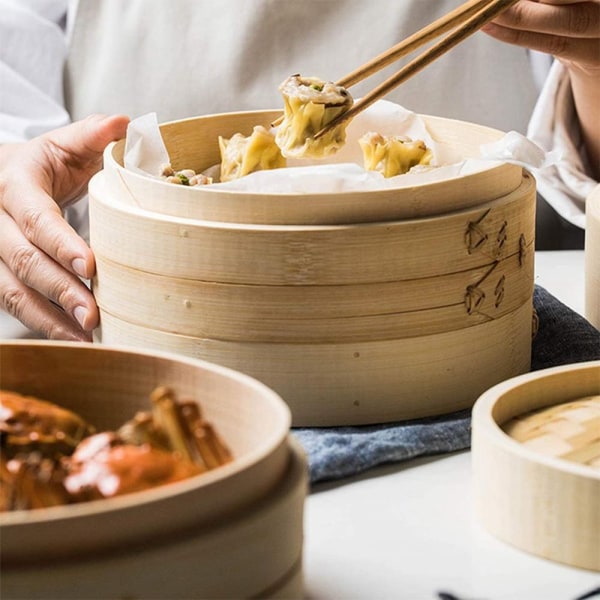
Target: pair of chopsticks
point(464, 20)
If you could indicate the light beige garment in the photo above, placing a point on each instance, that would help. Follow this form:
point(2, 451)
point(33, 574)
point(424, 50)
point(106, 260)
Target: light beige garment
point(183, 58)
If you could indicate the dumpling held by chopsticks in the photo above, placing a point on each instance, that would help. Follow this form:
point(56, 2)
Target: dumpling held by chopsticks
point(309, 105)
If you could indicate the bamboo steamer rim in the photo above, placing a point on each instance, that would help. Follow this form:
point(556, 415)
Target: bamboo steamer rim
point(486, 408)
point(67, 513)
point(225, 205)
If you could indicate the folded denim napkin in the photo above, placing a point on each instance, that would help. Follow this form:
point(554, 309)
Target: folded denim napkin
point(563, 337)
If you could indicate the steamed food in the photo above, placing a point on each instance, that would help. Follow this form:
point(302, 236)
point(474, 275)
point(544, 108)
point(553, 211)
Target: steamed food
point(241, 155)
point(393, 155)
point(309, 105)
point(51, 456)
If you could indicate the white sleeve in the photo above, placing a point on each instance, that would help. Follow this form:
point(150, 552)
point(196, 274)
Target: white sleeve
point(554, 126)
point(32, 56)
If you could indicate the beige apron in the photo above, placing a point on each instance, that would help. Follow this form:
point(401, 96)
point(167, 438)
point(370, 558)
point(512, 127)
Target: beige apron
point(182, 58)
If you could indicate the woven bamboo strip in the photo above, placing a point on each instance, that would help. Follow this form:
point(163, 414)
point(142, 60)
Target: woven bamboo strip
point(570, 431)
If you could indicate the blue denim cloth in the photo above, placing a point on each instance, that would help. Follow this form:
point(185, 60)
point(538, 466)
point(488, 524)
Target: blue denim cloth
point(563, 337)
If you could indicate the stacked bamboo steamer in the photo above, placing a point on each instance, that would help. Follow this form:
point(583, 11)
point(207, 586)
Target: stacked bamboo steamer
point(536, 463)
point(356, 308)
point(179, 540)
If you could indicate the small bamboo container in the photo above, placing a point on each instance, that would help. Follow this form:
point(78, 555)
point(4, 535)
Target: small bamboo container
point(178, 540)
point(537, 476)
point(356, 308)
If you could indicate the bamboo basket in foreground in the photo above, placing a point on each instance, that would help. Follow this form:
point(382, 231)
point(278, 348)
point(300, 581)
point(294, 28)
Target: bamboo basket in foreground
point(179, 540)
point(536, 463)
point(352, 317)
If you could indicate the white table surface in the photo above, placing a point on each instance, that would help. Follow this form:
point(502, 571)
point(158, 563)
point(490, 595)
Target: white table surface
point(408, 531)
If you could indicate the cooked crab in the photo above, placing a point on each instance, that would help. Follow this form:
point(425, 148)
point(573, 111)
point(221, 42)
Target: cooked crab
point(28, 424)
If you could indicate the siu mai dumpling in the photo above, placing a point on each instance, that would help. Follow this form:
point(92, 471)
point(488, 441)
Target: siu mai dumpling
point(392, 155)
point(309, 105)
point(241, 155)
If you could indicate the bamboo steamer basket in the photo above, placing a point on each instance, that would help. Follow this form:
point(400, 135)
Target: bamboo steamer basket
point(538, 490)
point(171, 541)
point(592, 258)
point(398, 316)
point(191, 143)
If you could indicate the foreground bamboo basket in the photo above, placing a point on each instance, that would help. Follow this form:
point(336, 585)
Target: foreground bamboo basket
point(174, 541)
point(541, 502)
point(356, 308)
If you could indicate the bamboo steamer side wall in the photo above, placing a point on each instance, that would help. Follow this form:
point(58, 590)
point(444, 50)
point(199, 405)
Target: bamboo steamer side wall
point(541, 504)
point(311, 255)
point(362, 382)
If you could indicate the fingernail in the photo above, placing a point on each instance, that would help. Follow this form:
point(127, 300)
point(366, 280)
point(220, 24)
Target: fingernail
point(79, 267)
point(80, 313)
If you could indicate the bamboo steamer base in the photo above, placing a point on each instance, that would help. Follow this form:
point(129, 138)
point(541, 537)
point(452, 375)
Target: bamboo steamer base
point(256, 553)
point(544, 505)
point(363, 382)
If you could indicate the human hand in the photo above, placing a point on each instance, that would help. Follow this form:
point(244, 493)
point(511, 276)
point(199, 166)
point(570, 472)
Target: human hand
point(41, 255)
point(570, 31)
point(567, 29)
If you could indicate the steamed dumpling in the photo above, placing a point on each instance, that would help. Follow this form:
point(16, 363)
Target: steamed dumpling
point(241, 155)
point(393, 155)
point(309, 105)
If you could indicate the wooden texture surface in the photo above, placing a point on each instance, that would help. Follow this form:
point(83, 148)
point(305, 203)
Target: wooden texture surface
point(363, 382)
point(311, 255)
point(545, 505)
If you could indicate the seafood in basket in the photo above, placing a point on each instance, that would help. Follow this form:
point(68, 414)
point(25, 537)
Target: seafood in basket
point(52, 456)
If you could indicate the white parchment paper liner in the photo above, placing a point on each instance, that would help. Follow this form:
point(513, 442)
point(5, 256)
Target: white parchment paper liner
point(146, 153)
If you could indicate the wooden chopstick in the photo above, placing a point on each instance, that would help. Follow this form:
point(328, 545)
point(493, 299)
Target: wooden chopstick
point(409, 44)
point(476, 12)
point(414, 41)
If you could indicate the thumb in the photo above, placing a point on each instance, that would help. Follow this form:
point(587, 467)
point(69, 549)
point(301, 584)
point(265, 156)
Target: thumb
point(78, 149)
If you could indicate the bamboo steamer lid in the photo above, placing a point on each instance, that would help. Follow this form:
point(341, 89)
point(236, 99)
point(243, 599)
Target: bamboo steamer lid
point(107, 386)
point(192, 143)
point(535, 463)
point(592, 258)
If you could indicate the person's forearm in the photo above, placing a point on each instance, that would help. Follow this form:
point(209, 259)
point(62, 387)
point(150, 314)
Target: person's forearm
point(586, 95)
